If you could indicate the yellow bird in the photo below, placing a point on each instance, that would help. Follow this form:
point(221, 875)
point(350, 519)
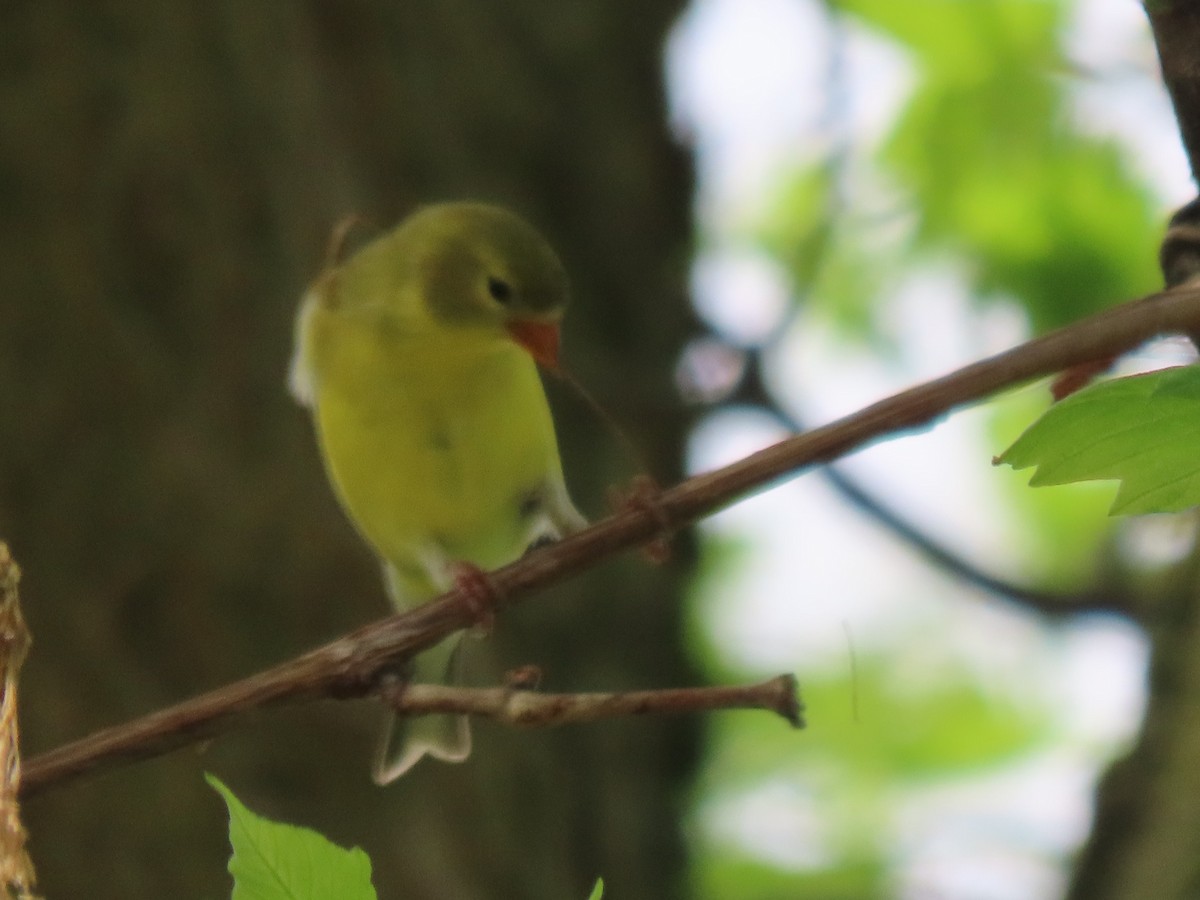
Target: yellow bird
point(417, 357)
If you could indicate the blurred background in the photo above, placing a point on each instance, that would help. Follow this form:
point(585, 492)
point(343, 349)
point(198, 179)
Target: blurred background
point(773, 212)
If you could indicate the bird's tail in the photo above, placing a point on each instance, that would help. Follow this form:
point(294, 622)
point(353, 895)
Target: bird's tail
point(443, 736)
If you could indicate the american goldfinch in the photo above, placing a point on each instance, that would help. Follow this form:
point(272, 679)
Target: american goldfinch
point(418, 359)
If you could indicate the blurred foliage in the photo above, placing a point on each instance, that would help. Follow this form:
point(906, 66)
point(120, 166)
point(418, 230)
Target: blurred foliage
point(889, 721)
point(744, 877)
point(997, 168)
point(985, 163)
point(985, 167)
point(823, 247)
point(885, 729)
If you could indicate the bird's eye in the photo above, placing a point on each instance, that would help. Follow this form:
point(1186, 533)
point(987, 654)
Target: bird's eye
point(500, 290)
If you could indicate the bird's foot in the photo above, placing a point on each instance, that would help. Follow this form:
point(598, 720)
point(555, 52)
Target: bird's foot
point(642, 496)
point(478, 592)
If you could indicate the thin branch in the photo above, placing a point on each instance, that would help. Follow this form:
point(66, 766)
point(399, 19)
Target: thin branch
point(1049, 603)
point(533, 709)
point(354, 664)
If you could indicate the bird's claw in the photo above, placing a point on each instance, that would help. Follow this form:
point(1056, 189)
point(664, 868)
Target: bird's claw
point(642, 496)
point(479, 593)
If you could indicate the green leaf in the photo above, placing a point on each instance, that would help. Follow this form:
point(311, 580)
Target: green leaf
point(1143, 430)
point(1054, 532)
point(598, 890)
point(277, 861)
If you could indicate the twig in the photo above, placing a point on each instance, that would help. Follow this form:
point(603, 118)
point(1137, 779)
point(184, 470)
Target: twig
point(353, 665)
point(535, 709)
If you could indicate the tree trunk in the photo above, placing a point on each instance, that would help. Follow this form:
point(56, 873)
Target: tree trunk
point(169, 175)
point(1145, 839)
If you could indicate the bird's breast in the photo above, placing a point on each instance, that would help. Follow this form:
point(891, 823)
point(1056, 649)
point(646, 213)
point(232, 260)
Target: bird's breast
point(433, 442)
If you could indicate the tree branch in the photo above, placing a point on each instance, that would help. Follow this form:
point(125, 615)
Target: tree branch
point(354, 664)
point(534, 709)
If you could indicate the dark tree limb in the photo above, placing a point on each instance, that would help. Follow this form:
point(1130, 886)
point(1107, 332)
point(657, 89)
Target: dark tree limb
point(353, 665)
point(1054, 604)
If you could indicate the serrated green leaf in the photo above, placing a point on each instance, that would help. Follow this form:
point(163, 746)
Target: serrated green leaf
point(277, 861)
point(1056, 531)
point(1143, 431)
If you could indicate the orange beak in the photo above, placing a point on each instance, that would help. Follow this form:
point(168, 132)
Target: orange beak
point(539, 338)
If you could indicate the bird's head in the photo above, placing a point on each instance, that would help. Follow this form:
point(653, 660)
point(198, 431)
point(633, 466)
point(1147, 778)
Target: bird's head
point(480, 266)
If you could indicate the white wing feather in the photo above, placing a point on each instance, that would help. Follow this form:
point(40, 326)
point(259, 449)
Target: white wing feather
point(302, 380)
